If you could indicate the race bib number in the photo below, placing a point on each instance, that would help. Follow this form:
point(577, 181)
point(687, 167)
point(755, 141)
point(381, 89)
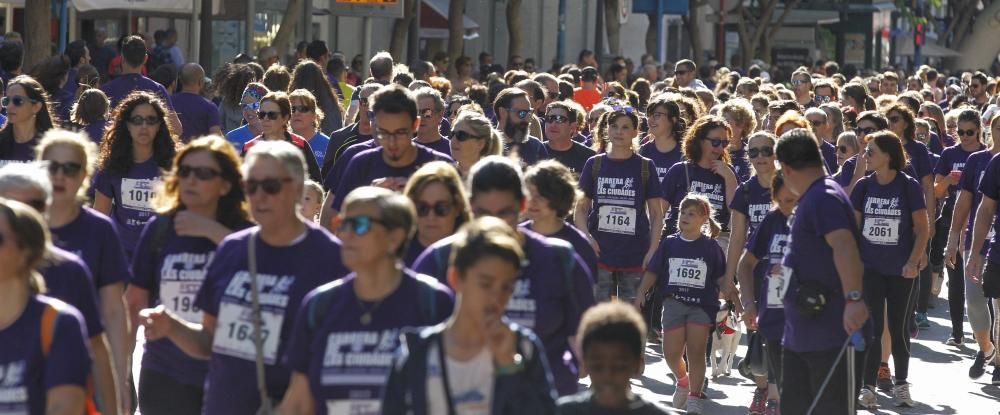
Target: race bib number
point(777, 284)
point(882, 231)
point(354, 407)
point(616, 219)
point(234, 332)
point(137, 194)
point(690, 273)
point(178, 296)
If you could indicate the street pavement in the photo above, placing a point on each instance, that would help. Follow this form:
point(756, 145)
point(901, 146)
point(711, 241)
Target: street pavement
point(938, 373)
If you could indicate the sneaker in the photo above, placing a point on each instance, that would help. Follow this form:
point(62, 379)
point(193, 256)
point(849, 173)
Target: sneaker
point(978, 368)
point(901, 395)
point(953, 341)
point(996, 375)
point(867, 398)
point(680, 393)
point(696, 405)
point(884, 381)
point(757, 405)
point(922, 321)
point(773, 408)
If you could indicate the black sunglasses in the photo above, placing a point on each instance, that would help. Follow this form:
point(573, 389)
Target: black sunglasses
point(360, 225)
point(823, 98)
point(138, 121)
point(17, 100)
point(557, 119)
point(272, 115)
point(69, 169)
point(201, 173)
point(864, 131)
point(461, 136)
point(271, 186)
point(967, 133)
point(440, 209)
point(301, 108)
point(760, 151)
point(717, 142)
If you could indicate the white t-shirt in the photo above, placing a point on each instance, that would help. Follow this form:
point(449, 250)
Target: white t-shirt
point(471, 383)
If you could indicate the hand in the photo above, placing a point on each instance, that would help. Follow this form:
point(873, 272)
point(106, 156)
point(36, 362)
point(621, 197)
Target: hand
point(500, 340)
point(910, 270)
point(720, 168)
point(855, 315)
point(640, 299)
point(157, 321)
point(922, 263)
point(952, 179)
point(950, 253)
point(391, 183)
point(862, 164)
point(648, 257)
point(749, 317)
point(728, 291)
point(974, 267)
point(188, 223)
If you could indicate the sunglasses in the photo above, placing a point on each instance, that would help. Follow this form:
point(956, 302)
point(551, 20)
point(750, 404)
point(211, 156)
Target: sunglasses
point(717, 142)
point(842, 149)
point(760, 151)
point(895, 118)
point(823, 98)
point(440, 209)
point(817, 123)
point(252, 106)
point(301, 108)
point(17, 100)
point(37, 204)
point(270, 186)
point(624, 108)
point(557, 119)
point(521, 114)
point(864, 131)
point(798, 82)
point(69, 169)
point(461, 136)
point(201, 173)
point(360, 225)
point(271, 115)
point(138, 121)
point(967, 133)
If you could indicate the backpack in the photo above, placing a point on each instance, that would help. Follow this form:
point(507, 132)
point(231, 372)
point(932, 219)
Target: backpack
point(47, 331)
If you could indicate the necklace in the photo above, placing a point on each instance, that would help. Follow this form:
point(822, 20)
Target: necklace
point(366, 315)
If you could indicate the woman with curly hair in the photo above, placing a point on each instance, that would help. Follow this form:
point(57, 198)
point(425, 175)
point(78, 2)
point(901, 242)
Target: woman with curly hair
point(137, 146)
point(29, 115)
point(232, 79)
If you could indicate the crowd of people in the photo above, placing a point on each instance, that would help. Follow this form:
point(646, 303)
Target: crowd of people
point(299, 239)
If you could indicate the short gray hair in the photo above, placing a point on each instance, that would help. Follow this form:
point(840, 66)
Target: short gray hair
point(428, 92)
point(381, 65)
point(287, 154)
point(25, 176)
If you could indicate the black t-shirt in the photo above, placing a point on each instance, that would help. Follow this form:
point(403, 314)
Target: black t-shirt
point(583, 404)
point(574, 158)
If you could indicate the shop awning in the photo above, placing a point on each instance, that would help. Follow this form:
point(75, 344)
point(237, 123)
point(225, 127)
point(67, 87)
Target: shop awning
point(434, 21)
point(928, 50)
point(156, 6)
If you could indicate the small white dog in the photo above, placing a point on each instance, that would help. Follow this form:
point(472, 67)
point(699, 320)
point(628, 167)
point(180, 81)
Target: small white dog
point(725, 339)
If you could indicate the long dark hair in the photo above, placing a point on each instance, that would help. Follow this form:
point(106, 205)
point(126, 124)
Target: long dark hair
point(116, 147)
point(232, 80)
point(232, 207)
point(35, 91)
point(308, 75)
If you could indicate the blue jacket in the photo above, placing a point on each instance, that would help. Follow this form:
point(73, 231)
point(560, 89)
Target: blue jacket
point(529, 391)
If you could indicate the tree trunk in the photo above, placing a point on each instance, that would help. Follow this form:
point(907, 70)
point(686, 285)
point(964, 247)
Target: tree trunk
point(400, 30)
point(613, 26)
point(286, 32)
point(980, 49)
point(691, 22)
point(205, 52)
point(37, 41)
point(456, 43)
point(515, 42)
point(651, 34)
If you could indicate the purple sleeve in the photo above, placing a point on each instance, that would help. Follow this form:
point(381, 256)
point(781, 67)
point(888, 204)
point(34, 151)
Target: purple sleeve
point(921, 163)
point(298, 353)
point(208, 298)
point(348, 182)
point(989, 184)
point(212, 115)
point(143, 264)
point(113, 265)
point(943, 166)
point(757, 243)
point(586, 181)
point(674, 182)
point(445, 304)
point(915, 195)
point(858, 195)
point(69, 358)
point(104, 184)
point(740, 202)
point(86, 301)
point(583, 292)
point(653, 189)
point(846, 172)
point(969, 176)
point(427, 264)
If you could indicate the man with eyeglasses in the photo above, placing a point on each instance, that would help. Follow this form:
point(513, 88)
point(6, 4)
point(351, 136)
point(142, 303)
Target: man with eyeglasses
point(823, 128)
point(802, 86)
point(513, 112)
point(430, 107)
point(685, 75)
point(562, 121)
point(131, 79)
point(977, 90)
point(824, 92)
point(397, 157)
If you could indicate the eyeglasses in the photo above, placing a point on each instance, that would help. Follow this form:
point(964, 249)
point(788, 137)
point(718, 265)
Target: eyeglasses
point(624, 108)
point(798, 82)
point(717, 142)
point(383, 135)
point(967, 133)
point(817, 123)
point(557, 119)
point(69, 169)
point(138, 121)
point(760, 151)
point(461, 136)
point(842, 149)
point(250, 106)
point(271, 115)
point(823, 98)
point(895, 118)
point(301, 108)
point(521, 114)
point(17, 100)
point(271, 186)
point(360, 225)
point(440, 209)
point(201, 173)
point(860, 132)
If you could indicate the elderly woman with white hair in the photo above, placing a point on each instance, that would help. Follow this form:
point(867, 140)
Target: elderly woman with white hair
point(253, 288)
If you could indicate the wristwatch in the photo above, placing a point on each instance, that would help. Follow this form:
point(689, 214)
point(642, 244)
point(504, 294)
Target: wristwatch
point(853, 296)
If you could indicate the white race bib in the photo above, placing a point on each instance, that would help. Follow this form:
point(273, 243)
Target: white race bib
point(137, 194)
point(616, 219)
point(234, 332)
point(685, 272)
point(178, 296)
point(354, 407)
point(777, 284)
point(882, 231)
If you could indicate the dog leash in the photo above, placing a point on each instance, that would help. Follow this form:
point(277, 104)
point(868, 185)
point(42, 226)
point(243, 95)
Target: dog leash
point(859, 345)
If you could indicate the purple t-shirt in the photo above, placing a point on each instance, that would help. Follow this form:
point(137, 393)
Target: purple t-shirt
point(887, 221)
point(752, 200)
point(822, 209)
point(68, 279)
point(197, 114)
point(689, 271)
point(348, 362)
point(531, 151)
point(551, 294)
point(22, 152)
point(119, 88)
point(332, 179)
point(62, 102)
point(972, 175)
point(442, 146)
point(95, 131)
point(618, 218)
point(663, 161)
point(846, 173)
point(684, 178)
point(953, 158)
point(989, 185)
point(285, 275)
point(94, 238)
point(413, 251)
point(741, 164)
point(575, 237)
point(26, 375)
point(770, 245)
point(131, 196)
point(829, 152)
point(920, 158)
point(370, 165)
